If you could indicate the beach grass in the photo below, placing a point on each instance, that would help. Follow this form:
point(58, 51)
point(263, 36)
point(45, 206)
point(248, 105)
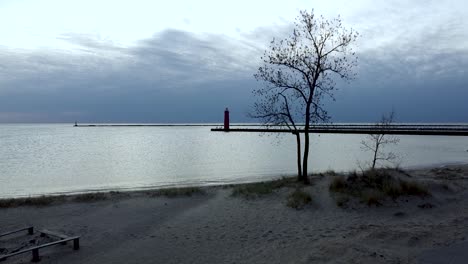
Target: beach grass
point(298, 199)
point(90, 197)
point(177, 192)
point(373, 186)
point(371, 197)
point(30, 201)
point(253, 190)
point(330, 172)
point(47, 200)
point(338, 184)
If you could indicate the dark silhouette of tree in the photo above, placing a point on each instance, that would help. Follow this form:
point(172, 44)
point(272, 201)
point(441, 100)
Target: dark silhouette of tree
point(376, 142)
point(298, 72)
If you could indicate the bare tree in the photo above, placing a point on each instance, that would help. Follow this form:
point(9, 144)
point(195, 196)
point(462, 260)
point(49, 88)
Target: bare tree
point(299, 71)
point(375, 143)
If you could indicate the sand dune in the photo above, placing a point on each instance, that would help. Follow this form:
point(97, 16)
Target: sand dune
point(218, 228)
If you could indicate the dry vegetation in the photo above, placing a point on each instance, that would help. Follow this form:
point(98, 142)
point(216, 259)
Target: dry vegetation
point(31, 201)
point(373, 186)
point(93, 197)
point(52, 199)
point(176, 192)
point(330, 172)
point(90, 197)
point(253, 190)
point(298, 199)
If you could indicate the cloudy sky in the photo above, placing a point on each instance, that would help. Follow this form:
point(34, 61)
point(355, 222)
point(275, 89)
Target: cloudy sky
point(185, 61)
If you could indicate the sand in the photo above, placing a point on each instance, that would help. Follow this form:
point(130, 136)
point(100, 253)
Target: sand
point(218, 228)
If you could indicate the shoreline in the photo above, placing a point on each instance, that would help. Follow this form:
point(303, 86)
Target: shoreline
point(263, 178)
point(206, 184)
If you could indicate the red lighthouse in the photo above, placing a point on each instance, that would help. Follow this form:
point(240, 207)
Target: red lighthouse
point(226, 119)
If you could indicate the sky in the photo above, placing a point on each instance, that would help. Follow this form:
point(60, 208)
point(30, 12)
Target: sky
point(185, 61)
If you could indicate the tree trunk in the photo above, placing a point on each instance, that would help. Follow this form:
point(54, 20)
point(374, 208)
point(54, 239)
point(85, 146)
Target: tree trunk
point(299, 166)
point(374, 160)
point(305, 178)
point(376, 151)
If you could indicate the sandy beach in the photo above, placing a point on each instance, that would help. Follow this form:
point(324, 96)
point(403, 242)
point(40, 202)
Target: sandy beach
point(216, 227)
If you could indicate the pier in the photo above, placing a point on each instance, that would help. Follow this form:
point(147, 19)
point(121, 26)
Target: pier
point(388, 129)
point(404, 129)
point(144, 125)
point(396, 129)
point(392, 129)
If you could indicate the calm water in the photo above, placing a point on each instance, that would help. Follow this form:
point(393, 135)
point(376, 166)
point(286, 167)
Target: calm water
point(53, 158)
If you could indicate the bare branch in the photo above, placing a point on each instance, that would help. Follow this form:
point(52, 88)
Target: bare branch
point(376, 142)
point(300, 70)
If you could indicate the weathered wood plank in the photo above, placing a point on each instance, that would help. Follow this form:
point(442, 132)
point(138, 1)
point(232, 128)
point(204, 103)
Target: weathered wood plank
point(29, 228)
point(35, 250)
point(52, 234)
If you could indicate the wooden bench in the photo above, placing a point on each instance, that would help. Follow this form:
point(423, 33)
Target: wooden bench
point(63, 239)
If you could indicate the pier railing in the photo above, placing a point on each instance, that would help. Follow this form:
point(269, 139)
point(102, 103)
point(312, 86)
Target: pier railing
point(397, 129)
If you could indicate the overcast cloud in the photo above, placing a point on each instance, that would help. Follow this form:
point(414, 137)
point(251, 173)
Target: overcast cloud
point(413, 58)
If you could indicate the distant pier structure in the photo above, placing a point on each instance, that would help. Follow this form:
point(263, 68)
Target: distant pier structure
point(394, 129)
point(226, 119)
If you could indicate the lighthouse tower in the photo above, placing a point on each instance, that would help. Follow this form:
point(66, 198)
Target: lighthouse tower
point(226, 119)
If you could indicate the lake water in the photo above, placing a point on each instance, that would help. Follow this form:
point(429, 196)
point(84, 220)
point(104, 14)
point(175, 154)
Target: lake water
point(55, 158)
